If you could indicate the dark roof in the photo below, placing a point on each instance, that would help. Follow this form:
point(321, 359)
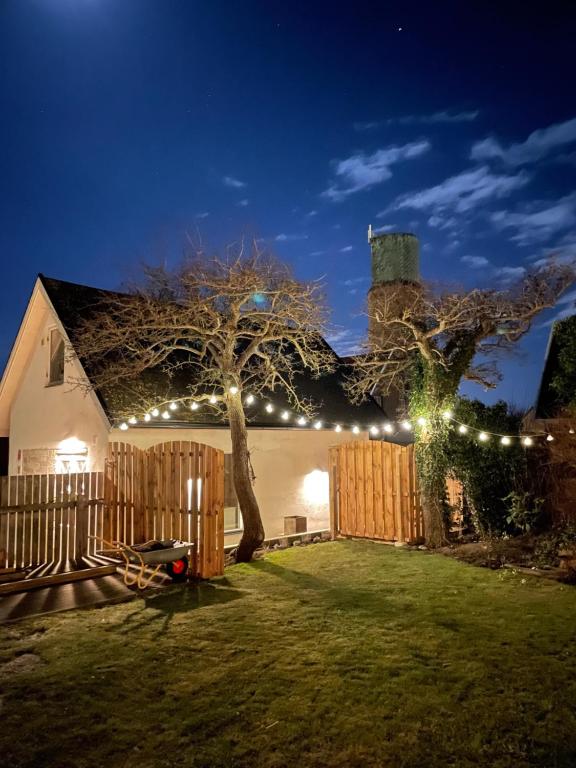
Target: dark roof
point(74, 303)
point(549, 402)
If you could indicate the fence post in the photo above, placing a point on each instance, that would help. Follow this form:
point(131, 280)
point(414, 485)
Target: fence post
point(81, 543)
point(333, 454)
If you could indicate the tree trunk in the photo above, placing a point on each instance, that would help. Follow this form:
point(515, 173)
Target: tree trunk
point(432, 466)
point(253, 534)
point(433, 505)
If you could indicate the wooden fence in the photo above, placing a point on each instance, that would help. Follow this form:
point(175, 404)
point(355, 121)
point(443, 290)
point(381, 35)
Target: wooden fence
point(170, 491)
point(374, 493)
point(173, 490)
point(48, 519)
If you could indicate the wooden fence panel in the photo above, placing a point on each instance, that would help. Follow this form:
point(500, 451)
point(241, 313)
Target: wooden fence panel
point(45, 519)
point(373, 491)
point(172, 490)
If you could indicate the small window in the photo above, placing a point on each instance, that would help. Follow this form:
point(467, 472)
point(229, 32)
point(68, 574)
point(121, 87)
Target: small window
point(56, 373)
point(232, 514)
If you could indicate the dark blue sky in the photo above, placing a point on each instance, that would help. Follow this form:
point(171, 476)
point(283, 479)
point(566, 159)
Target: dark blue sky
point(124, 123)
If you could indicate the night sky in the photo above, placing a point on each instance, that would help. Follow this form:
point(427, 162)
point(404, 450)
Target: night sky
point(126, 123)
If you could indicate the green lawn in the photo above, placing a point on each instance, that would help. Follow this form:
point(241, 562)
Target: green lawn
point(334, 655)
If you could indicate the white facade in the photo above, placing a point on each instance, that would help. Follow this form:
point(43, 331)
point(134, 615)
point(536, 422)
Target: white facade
point(41, 420)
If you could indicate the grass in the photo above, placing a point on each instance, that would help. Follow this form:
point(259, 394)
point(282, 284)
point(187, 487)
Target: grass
point(337, 655)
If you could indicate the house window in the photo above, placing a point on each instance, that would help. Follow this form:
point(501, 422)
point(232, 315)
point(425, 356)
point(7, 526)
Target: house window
point(232, 515)
point(56, 370)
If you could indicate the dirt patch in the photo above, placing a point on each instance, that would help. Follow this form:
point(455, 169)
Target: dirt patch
point(25, 662)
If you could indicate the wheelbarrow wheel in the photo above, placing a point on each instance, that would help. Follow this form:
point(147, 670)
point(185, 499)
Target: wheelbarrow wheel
point(178, 569)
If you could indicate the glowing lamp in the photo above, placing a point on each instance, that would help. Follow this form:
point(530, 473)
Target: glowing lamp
point(269, 407)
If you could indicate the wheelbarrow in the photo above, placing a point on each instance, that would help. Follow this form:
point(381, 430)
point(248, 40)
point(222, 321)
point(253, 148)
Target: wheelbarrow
point(170, 553)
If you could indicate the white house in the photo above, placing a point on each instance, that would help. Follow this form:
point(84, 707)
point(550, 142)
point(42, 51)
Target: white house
point(53, 427)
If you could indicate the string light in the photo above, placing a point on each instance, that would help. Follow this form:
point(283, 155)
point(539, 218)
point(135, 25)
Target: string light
point(387, 427)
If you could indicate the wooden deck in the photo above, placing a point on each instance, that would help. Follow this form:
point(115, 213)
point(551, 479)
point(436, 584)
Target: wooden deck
point(64, 597)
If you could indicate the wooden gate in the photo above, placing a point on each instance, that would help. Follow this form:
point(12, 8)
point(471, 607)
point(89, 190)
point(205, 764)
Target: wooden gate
point(374, 493)
point(170, 491)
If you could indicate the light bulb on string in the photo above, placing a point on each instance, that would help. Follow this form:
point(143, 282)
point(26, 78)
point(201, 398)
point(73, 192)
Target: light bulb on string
point(406, 425)
point(505, 440)
point(571, 431)
point(317, 425)
point(249, 400)
point(194, 405)
point(213, 400)
point(147, 417)
point(173, 406)
point(132, 420)
point(356, 429)
point(155, 412)
point(123, 426)
point(165, 414)
point(388, 428)
point(301, 421)
point(337, 428)
point(233, 390)
point(421, 421)
point(374, 430)
point(269, 408)
point(462, 429)
point(483, 437)
point(285, 415)
point(527, 441)
point(447, 414)
point(549, 438)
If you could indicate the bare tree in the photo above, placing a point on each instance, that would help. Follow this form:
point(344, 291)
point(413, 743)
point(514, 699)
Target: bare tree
point(432, 340)
point(233, 327)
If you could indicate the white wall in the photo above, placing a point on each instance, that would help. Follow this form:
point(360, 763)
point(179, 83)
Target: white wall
point(283, 460)
point(42, 417)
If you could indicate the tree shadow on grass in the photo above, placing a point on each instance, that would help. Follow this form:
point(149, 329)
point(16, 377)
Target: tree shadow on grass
point(339, 596)
point(159, 609)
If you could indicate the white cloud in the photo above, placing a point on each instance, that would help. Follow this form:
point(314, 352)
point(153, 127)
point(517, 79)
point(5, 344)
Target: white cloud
point(476, 262)
point(230, 181)
point(354, 281)
point(202, 215)
point(507, 274)
point(538, 144)
point(345, 341)
point(360, 171)
point(347, 249)
point(383, 228)
point(317, 253)
point(243, 203)
point(538, 222)
point(444, 116)
point(463, 192)
point(310, 214)
point(284, 238)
